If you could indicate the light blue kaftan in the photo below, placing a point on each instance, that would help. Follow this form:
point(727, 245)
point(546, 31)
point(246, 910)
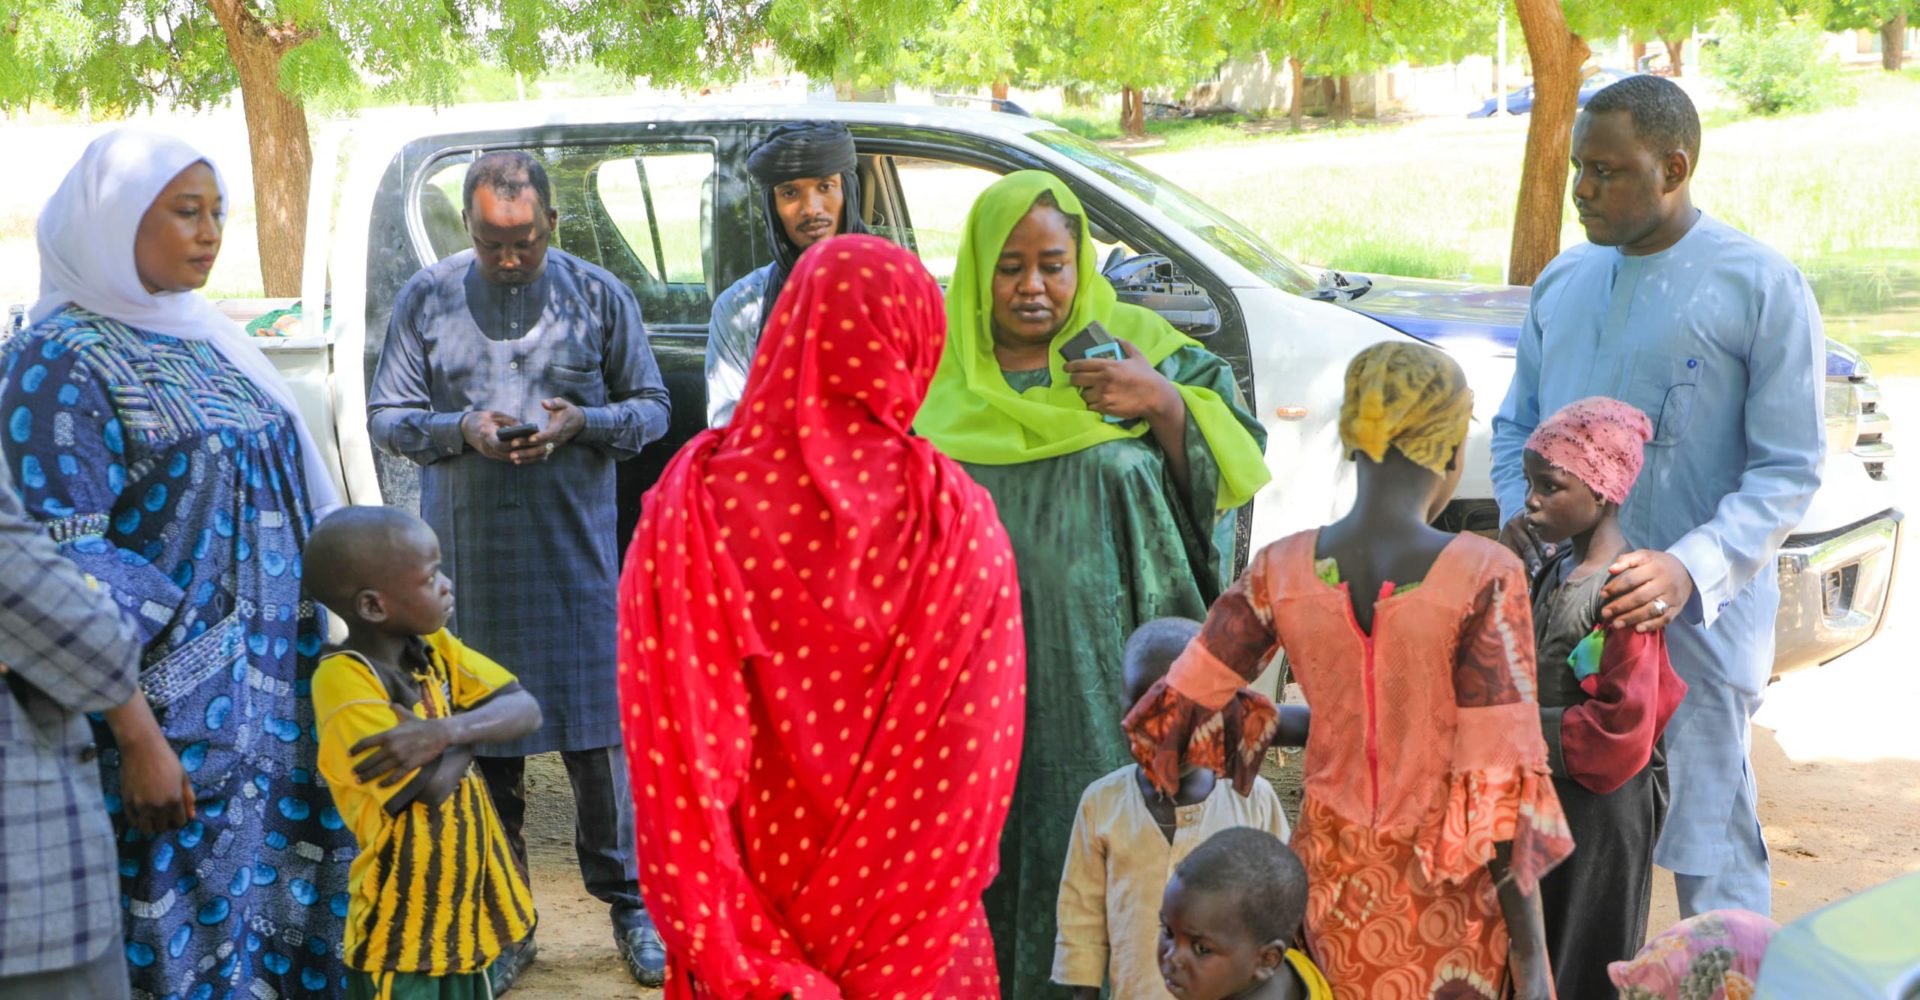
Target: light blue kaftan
point(733, 335)
point(1719, 341)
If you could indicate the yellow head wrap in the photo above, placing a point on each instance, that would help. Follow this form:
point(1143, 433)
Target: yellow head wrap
point(1407, 395)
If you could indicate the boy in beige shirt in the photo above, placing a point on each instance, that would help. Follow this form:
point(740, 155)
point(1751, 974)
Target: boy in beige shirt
point(1127, 840)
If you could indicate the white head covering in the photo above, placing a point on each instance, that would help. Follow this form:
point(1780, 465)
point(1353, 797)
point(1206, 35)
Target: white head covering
point(86, 258)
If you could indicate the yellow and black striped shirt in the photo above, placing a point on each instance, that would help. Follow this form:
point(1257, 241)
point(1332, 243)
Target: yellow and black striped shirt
point(435, 889)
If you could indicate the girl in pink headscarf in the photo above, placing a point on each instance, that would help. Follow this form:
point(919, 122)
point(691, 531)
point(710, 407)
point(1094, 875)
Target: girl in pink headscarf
point(1605, 694)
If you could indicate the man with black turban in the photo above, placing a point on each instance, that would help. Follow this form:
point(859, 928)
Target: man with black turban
point(807, 171)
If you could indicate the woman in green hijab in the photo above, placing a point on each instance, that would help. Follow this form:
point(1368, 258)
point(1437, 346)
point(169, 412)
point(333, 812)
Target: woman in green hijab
point(1113, 524)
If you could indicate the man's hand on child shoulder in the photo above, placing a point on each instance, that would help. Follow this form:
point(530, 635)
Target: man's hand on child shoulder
point(1648, 589)
point(411, 744)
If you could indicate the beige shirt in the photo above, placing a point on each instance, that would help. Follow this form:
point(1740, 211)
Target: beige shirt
point(1118, 865)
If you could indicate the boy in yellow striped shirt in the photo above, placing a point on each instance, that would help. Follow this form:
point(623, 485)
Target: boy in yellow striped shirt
point(434, 895)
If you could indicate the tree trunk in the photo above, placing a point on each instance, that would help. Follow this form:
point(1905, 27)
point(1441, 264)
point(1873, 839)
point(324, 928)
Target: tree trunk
point(276, 140)
point(1133, 113)
point(1342, 98)
point(1000, 89)
point(1297, 103)
point(1893, 38)
point(1676, 47)
point(1639, 55)
point(1556, 54)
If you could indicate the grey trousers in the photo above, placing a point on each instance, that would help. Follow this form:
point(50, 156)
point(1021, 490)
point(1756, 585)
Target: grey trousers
point(603, 823)
point(104, 978)
point(1596, 902)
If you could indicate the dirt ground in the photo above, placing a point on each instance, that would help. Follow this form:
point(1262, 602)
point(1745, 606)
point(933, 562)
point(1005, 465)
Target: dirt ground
point(1836, 750)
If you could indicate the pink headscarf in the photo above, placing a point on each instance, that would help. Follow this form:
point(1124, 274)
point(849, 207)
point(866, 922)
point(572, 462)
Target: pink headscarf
point(1598, 440)
point(1713, 956)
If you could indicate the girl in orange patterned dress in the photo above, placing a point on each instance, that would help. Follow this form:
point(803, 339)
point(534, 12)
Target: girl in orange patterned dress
point(1429, 814)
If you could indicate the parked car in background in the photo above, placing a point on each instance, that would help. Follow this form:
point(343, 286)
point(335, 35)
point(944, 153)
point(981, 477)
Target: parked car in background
point(1520, 102)
point(660, 196)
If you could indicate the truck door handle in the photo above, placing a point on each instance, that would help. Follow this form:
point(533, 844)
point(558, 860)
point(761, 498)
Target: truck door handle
point(1290, 412)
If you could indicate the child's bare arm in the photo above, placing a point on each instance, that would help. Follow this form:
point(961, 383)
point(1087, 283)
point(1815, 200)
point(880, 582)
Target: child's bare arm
point(414, 742)
point(509, 714)
point(444, 775)
point(1526, 929)
point(1292, 730)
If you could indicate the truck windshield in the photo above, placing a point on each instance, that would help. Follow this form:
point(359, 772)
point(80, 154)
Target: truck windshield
point(1222, 233)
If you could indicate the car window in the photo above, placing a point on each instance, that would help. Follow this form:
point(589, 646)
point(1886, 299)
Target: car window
point(437, 208)
point(938, 197)
point(642, 211)
point(1203, 220)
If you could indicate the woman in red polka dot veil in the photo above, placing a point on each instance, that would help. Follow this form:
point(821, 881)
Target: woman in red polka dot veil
point(822, 672)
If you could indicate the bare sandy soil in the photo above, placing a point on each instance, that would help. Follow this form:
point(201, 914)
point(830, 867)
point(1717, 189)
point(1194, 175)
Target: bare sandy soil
point(577, 958)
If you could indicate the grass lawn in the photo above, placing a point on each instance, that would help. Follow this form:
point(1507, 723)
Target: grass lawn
point(1838, 191)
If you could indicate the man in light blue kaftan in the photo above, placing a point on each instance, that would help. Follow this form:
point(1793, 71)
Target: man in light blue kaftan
point(1718, 339)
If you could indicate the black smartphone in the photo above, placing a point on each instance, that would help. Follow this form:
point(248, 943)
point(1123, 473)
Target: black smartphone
point(1093, 341)
point(518, 431)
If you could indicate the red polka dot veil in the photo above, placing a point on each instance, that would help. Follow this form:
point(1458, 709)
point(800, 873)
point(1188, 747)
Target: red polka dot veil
point(822, 665)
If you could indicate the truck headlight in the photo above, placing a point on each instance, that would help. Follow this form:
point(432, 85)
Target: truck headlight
point(1842, 410)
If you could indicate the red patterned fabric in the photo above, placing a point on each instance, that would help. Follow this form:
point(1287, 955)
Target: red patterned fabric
point(1608, 739)
point(822, 668)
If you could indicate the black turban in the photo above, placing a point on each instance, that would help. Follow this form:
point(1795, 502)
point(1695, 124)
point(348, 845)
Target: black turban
point(792, 151)
point(802, 149)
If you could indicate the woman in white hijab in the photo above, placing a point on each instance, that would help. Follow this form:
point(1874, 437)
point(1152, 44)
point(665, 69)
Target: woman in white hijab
point(165, 455)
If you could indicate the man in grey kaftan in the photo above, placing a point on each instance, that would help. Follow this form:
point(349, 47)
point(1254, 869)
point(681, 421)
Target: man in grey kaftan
point(502, 333)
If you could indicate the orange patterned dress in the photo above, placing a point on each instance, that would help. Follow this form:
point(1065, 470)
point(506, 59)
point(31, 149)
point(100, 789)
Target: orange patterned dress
point(1424, 752)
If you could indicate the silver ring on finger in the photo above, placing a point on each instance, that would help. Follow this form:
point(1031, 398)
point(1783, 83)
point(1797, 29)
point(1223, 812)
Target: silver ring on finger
point(549, 447)
point(1660, 606)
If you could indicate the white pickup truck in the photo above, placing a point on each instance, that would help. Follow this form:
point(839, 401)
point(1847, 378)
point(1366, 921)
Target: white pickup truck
point(660, 196)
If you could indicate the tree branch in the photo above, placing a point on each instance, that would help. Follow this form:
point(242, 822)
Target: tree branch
point(237, 18)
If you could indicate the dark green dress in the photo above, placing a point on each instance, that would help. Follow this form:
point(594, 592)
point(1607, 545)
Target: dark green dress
point(1106, 541)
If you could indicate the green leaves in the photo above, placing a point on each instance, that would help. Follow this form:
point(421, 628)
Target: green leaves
point(1776, 65)
point(119, 55)
point(1848, 15)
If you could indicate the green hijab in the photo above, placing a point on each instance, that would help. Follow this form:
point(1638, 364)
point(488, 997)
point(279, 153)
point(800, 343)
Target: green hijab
point(973, 415)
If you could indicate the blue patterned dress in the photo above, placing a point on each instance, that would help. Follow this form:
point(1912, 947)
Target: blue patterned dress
point(177, 484)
